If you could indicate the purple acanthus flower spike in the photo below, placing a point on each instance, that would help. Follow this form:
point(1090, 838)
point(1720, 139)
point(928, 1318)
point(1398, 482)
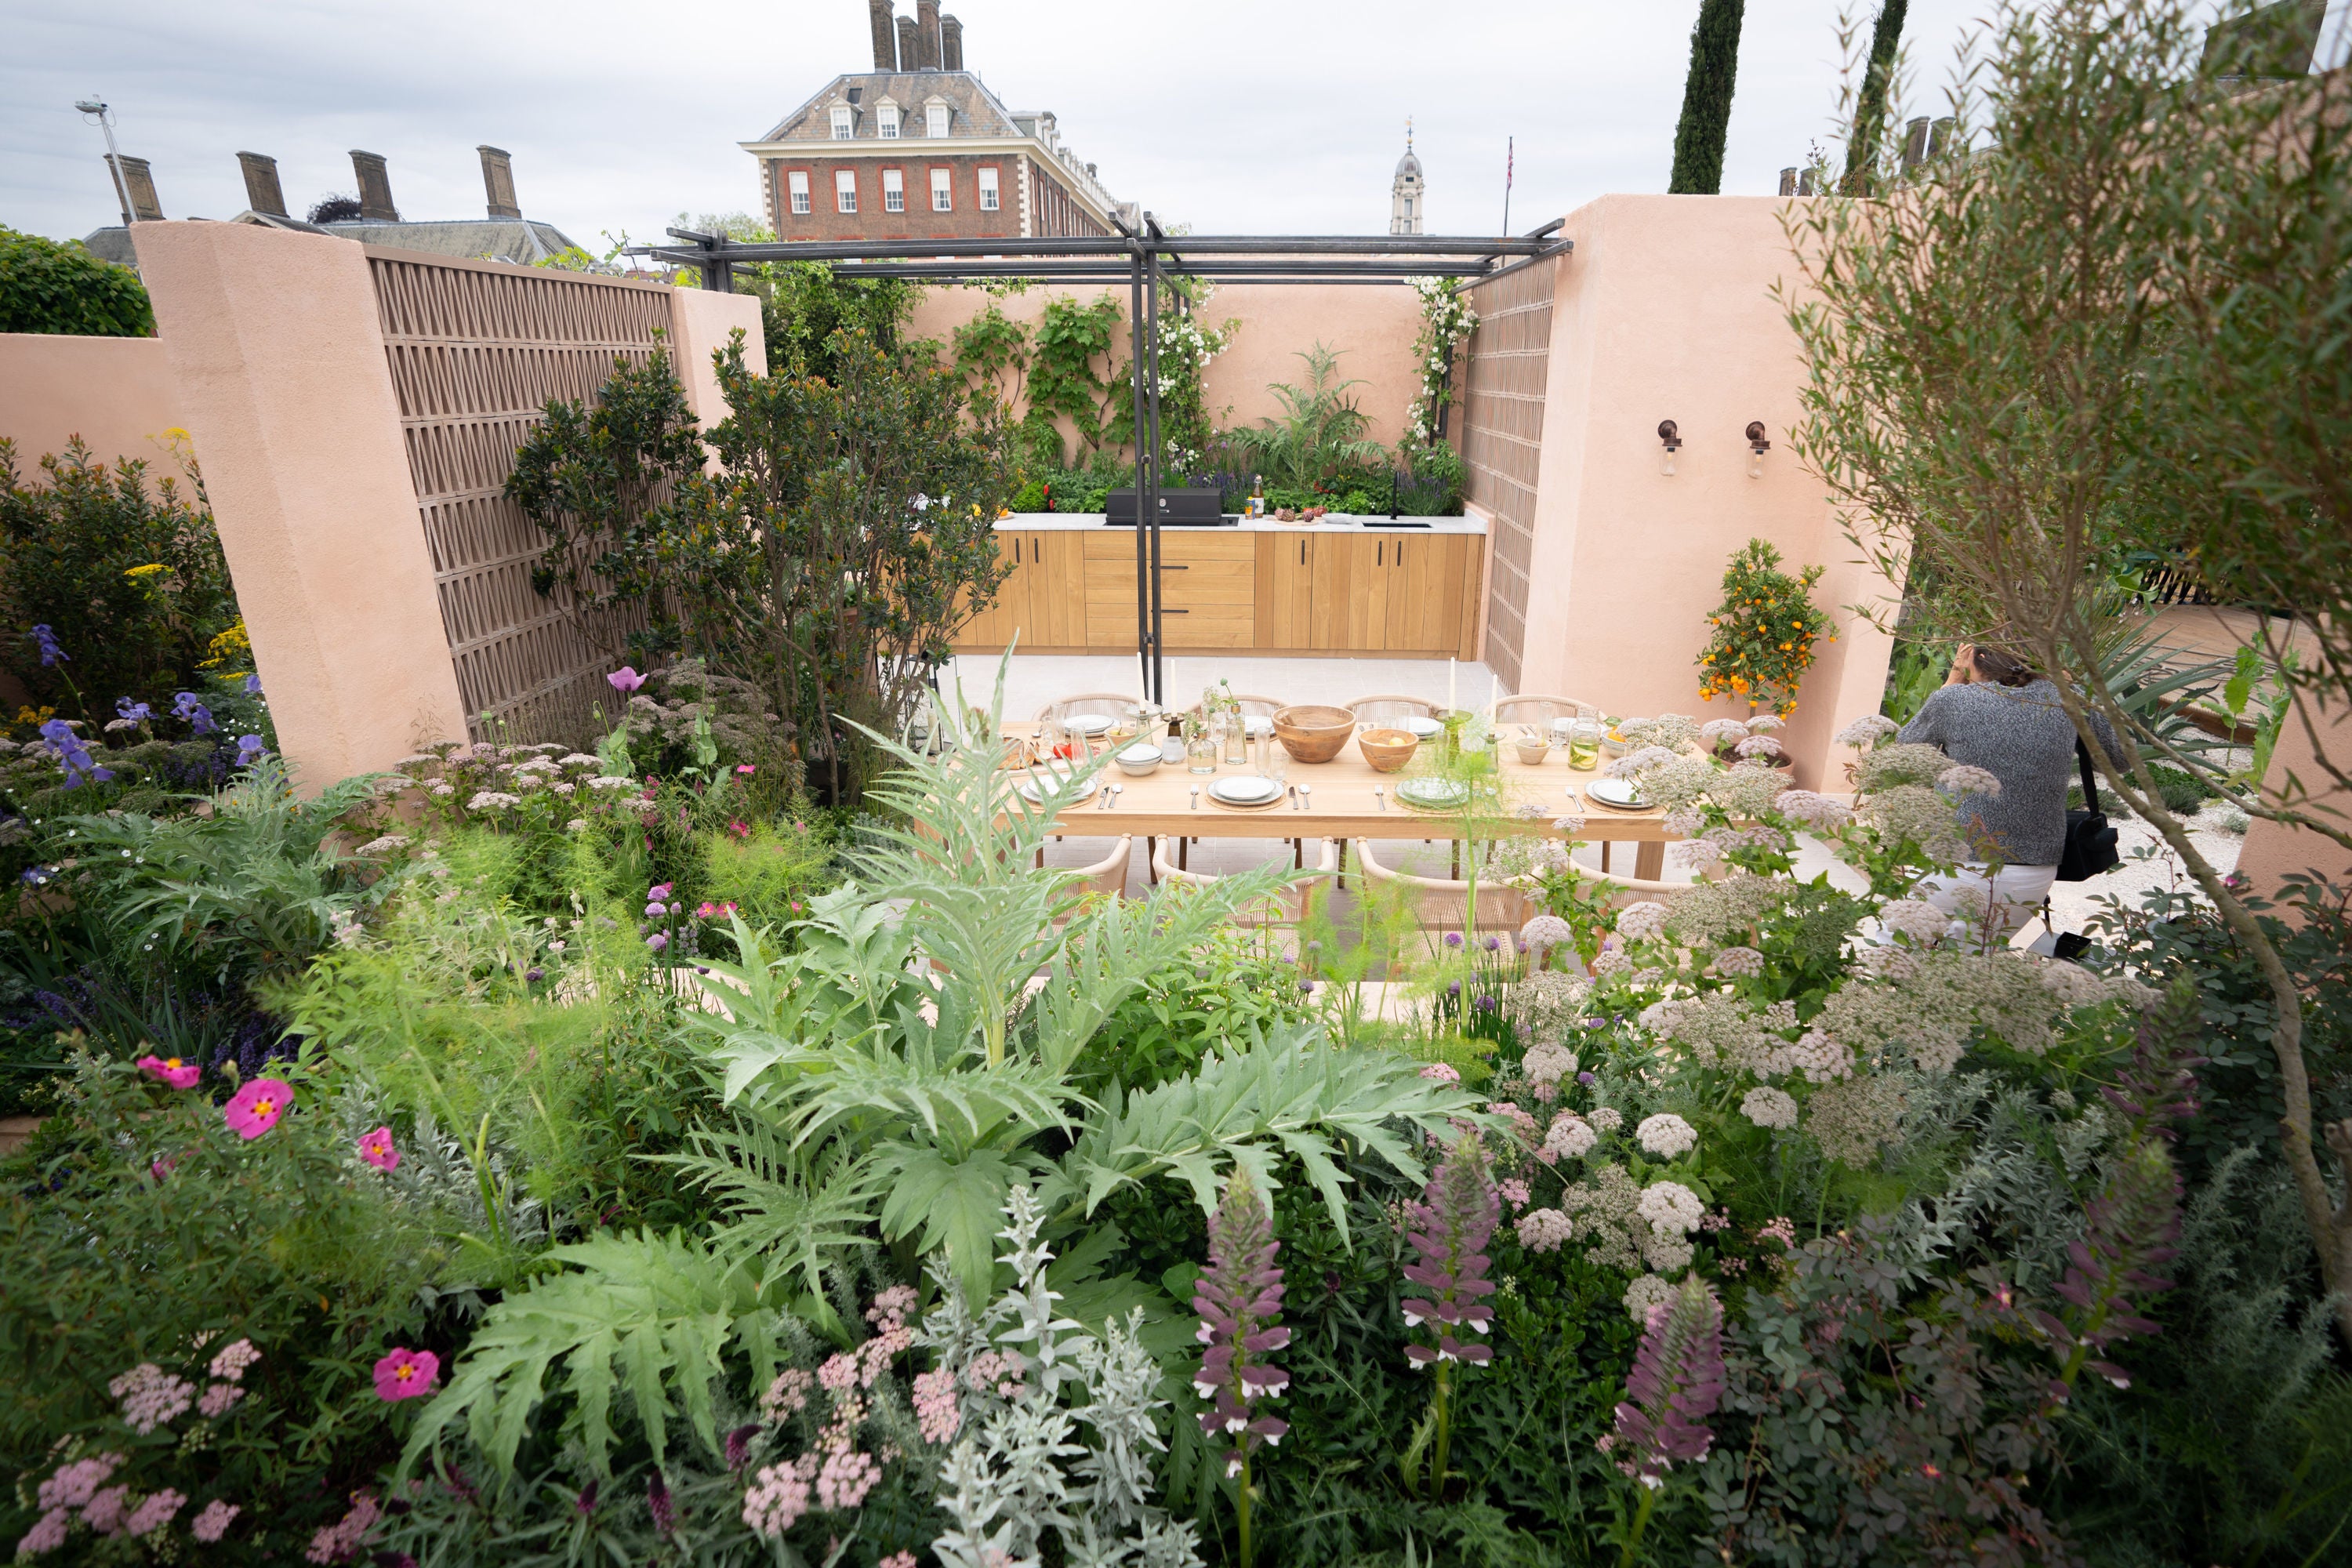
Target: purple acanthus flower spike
point(47, 641)
point(659, 1504)
point(1239, 1298)
point(1676, 1383)
point(199, 717)
point(1450, 1227)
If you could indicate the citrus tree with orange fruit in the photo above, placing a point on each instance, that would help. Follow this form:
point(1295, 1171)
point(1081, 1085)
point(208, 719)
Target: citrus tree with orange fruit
point(1763, 632)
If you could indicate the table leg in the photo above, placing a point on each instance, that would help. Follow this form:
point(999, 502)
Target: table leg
point(1604, 856)
point(1650, 861)
point(1151, 859)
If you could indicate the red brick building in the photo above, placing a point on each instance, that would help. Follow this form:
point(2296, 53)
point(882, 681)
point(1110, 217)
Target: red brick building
point(918, 149)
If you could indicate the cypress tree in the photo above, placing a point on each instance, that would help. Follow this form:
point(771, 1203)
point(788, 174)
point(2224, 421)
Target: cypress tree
point(1870, 112)
point(1706, 100)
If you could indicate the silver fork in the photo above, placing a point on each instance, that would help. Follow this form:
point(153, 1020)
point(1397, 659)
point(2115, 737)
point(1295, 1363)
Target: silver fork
point(1379, 797)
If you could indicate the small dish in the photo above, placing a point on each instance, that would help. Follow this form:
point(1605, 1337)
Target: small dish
point(1532, 752)
point(1087, 724)
point(1244, 789)
point(1623, 794)
point(1140, 760)
point(1424, 728)
point(1433, 795)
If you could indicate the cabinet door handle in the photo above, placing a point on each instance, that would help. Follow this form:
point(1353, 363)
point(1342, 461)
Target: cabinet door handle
point(1170, 610)
point(1302, 552)
point(1166, 567)
point(1016, 552)
point(1379, 553)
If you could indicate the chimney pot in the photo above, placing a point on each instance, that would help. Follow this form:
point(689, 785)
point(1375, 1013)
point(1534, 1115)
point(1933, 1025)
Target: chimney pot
point(1788, 182)
point(1915, 143)
point(910, 49)
point(375, 187)
point(927, 34)
point(951, 44)
point(1941, 136)
point(262, 192)
point(497, 182)
point(886, 35)
point(1805, 184)
point(141, 183)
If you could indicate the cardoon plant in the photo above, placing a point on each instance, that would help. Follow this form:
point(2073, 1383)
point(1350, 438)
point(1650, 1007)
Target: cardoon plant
point(1450, 1228)
point(1239, 1298)
point(1676, 1380)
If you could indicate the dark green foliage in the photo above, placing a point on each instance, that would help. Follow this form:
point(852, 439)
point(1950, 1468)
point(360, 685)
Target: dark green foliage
point(1870, 110)
point(68, 550)
point(1160, 1033)
point(1064, 384)
point(804, 306)
point(589, 478)
point(1705, 122)
point(58, 286)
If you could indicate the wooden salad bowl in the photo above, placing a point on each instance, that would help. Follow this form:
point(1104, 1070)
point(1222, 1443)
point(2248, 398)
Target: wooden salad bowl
point(1312, 733)
point(1387, 750)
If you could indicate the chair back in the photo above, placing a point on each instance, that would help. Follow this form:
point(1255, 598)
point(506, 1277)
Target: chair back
point(1107, 878)
point(1388, 709)
point(1442, 903)
point(1527, 707)
point(1287, 908)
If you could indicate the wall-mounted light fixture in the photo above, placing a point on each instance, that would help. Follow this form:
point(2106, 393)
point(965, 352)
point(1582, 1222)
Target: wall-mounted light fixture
point(1757, 447)
point(1672, 442)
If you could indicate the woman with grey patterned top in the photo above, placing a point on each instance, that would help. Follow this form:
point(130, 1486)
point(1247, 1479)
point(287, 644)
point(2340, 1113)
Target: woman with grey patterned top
point(1994, 712)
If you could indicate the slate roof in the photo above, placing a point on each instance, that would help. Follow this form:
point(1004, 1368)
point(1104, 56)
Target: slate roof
point(523, 240)
point(974, 111)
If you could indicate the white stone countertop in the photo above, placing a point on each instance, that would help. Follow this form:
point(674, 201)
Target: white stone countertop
point(1330, 523)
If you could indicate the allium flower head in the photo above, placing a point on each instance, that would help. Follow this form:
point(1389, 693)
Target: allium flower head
point(377, 1149)
point(1450, 1228)
point(406, 1374)
point(1676, 1380)
point(1239, 1298)
point(179, 1074)
point(257, 1107)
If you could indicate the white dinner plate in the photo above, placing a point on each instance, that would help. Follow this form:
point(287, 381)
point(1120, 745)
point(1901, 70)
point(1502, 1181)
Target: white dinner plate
point(1087, 723)
point(1256, 724)
point(1433, 795)
point(1424, 728)
point(1244, 789)
point(1620, 793)
point(1037, 788)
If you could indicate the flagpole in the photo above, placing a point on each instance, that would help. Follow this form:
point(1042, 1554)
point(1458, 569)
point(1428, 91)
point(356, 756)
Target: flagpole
point(1509, 159)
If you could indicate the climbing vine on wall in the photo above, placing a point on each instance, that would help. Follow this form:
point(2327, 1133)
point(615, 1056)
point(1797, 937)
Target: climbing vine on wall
point(1447, 318)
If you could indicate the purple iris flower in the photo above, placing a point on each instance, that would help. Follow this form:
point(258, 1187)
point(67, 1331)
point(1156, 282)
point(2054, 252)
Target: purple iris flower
point(199, 717)
point(625, 681)
point(136, 712)
point(253, 685)
point(73, 754)
point(250, 749)
point(47, 641)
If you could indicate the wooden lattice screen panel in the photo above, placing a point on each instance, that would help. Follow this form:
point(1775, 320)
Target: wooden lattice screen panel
point(476, 349)
point(1502, 443)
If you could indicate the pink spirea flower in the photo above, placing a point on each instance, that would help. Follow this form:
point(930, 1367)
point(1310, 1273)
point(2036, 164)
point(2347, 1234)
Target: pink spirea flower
point(150, 1396)
point(845, 1479)
point(103, 1513)
point(49, 1533)
point(231, 1364)
point(1439, 1072)
point(256, 1108)
point(838, 1373)
point(154, 1512)
point(789, 1393)
point(779, 1496)
point(377, 1149)
point(179, 1074)
point(217, 1400)
point(1515, 1191)
point(935, 1406)
point(214, 1521)
point(75, 1484)
point(406, 1374)
point(340, 1541)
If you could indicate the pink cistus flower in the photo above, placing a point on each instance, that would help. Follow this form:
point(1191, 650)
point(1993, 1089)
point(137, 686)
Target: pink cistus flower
point(1239, 1298)
point(406, 1374)
point(377, 1149)
point(1450, 1227)
point(1676, 1380)
point(172, 1070)
point(257, 1107)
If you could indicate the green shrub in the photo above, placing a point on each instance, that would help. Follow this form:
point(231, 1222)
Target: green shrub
point(58, 286)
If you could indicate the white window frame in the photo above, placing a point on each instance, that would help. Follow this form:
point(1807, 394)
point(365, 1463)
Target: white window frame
point(886, 121)
point(990, 200)
point(845, 122)
point(844, 190)
point(936, 119)
point(943, 190)
point(893, 190)
point(796, 192)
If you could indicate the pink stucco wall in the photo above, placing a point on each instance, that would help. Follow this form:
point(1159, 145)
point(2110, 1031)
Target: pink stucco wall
point(700, 324)
point(1663, 311)
point(1374, 326)
point(279, 361)
point(116, 393)
point(2273, 851)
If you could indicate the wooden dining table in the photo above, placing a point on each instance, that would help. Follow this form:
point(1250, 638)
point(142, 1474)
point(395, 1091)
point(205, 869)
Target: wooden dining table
point(1336, 800)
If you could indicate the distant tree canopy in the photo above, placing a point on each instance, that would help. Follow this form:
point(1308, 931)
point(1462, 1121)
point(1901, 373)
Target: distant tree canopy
point(58, 286)
point(335, 209)
point(1705, 122)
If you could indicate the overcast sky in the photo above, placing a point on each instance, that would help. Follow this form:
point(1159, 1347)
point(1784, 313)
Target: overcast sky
point(1235, 116)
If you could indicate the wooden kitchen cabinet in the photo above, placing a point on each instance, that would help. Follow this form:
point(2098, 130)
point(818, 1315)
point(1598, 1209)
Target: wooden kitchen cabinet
point(1285, 592)
point(1043, 602)
point(1423, 606)
point(1208, 590)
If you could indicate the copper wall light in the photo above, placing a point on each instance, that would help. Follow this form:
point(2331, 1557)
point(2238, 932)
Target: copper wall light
point(1672, 442)
point(1757, 447)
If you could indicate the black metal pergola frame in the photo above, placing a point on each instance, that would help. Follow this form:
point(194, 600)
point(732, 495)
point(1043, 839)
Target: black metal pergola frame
point(1140, 257)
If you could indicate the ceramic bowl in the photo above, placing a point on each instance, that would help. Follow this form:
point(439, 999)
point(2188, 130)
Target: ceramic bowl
point(1313, 734)
point(1387, 750)
point(1140, 760)
point(1532, 752)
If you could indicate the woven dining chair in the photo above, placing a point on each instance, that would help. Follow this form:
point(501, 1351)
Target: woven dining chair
point(1287, 908)
point(1442, 903)
point(1562, 707)
point(1373, 710)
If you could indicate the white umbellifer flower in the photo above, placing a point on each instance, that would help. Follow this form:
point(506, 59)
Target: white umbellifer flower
point(492, 800)
point(2074, 985)
point(1544, 933)
point(579, 760)
point(1605, 1117)
point(1741, 963)
point(611, 781)
point(1764, 723)
point(1914, 918)
point(1571, 1136)
point(1665, 1135)
point(384, 846)
point(1640, 922)
point(1647, 1296)
point(1543, 1230)
point(1821, 1058)
point(1715, 731)
point(1814, 810)
point(1549, 1063)
point(1671, 1208)
point(1965, 779)
point(1768, 1107)
point(1633, 763)
point(1757, 746)
point(1610, 961)
point(1866, 731)
point(445, 790)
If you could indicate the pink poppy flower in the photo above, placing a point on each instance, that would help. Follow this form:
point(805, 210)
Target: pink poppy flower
point(406, 1374)
point(626, 679)
point(255, 1108)
point(172, 1070)
point(377, 1149)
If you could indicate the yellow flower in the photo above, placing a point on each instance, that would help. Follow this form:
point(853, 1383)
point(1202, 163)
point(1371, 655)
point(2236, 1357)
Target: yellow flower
point(137, 574)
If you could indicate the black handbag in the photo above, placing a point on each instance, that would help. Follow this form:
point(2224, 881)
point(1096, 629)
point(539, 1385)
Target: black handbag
point(2090, 842)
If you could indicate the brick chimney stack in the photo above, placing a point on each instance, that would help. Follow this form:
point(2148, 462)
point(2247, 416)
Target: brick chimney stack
point(886, 35)
point(375, 187)
point(951, 44)
point(911, 51)
point(141, 183)
point(927, 34)
point(497, 182)
point(262, 192)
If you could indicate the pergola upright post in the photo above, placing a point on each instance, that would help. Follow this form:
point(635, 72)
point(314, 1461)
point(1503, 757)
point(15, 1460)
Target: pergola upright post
point(1147, 441)
point(1145, 632)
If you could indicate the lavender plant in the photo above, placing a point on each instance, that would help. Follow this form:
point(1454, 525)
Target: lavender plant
point(1450, 1228)
point(1239, 1298)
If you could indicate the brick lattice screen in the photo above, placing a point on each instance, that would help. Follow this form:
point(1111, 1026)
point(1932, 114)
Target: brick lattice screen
point(476, 350)
point(1502, 443)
